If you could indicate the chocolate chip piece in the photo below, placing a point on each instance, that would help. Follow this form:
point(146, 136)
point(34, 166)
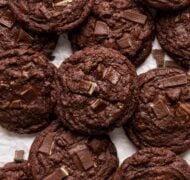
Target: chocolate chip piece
point(101, 29)
point(23, 36)
point(97, 88)
point(46, 146)
point(16, 104)
point(160, 109)
point(158, 55)
point(87, 86)
point(58, 174)
point(173, 81)
point(98, 105)
point(111, 75)
point(19, 156)
point(162, 116)
point(30, 94)
point(125, 41)
point(73, 159)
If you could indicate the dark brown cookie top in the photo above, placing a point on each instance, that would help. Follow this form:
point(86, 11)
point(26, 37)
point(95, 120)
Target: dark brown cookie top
point(52, 15)
point(166, 4)
point(162, 118)
point(16, 171)
point(27, 85)
point(153, 164)
point(173, 32)
point(3, 3)
point(119, 24)
point(56, 152)
point(97, 90)
point(12, 35)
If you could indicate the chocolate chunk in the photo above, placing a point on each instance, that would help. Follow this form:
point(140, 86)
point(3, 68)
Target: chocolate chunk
point(85, 158)
point(16, 104)
point(19, 156)
point(61, 2)
point(47, 144)
point(30, 94)
point(58, 174)
point(111, 75)
point(98, 105)
point(23, 36)
point(173, 81)
point(158, 55)
point(7, 19)
point(183, 110)
point(67, 138)
point(96, 145)
point(173, 64)
point(87, 86)
point(161, 109)
point(134, 16)
point(125, 41)
point(173, 94)
point(101, 29)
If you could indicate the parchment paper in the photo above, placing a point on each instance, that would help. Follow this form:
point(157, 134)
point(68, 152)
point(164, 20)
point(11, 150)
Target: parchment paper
point(9, 142)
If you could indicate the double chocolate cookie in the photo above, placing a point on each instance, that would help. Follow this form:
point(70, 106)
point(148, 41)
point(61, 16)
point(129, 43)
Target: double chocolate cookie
point(119, 24)
point(16, 171)
point(12, 35)
point(166, 4)
point(153, 164)
point(173, 33)
point(97, 90)
point(52, 15)
point(162, 118)
point(57, 153)
point(27, 86)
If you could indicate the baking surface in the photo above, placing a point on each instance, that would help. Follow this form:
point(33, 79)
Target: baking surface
point(9, 142)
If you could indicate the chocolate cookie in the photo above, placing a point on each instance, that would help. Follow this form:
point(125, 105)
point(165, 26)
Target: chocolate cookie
point(16, 171)
point(12, 35)
point(97, 90)
point(162, 118)
point(166, 4)
point(119, 24)
point(57, 153)
point(153, 164)
point(3, 2)
point(173, 33)
point(52, 15)
point(27, 85)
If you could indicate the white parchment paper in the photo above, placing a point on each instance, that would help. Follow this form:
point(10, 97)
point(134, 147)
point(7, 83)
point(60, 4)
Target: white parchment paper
point(9, 142)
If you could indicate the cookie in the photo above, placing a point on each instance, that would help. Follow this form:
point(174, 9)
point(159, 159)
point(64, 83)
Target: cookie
point(14, 36)
point(173, 33)
point(153, 164)
point(97, 90)
point(27, 90)
point(119, 24)
point(57, 153)
point(166, 4)
point(3, 2)
point(162, 118)
point(56, 16)
point(16, 171)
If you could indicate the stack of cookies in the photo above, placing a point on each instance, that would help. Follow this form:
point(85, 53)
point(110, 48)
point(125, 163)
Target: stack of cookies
point(73, 107)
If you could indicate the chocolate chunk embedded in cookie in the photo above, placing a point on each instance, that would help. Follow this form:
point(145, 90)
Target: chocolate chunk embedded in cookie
point(51, 16)
point(162, 118)
point(12, 35)
point(153, 164)
point(166, 4)
point(119, 24)
point(173, 33)
point(57, 153)
point(27, 86)
point(97, 90)
point(16, 171)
